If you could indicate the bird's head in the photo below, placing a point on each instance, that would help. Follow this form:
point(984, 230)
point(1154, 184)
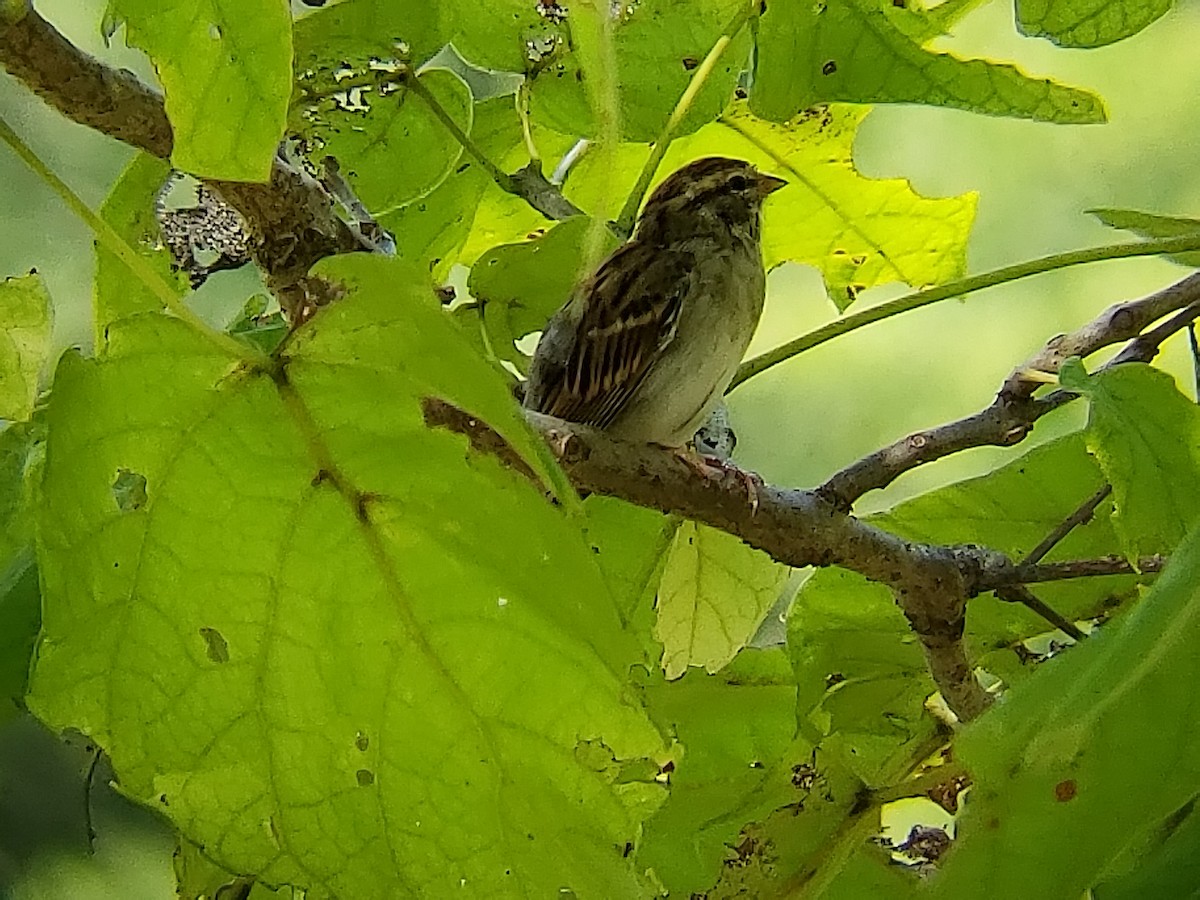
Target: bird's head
point(711, 192)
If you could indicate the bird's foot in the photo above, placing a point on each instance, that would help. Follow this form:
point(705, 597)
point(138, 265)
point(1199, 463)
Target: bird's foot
point(716, 469)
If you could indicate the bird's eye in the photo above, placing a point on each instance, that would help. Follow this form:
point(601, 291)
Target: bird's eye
point(738, 182)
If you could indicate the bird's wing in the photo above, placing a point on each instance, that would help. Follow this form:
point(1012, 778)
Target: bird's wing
point(616, 341)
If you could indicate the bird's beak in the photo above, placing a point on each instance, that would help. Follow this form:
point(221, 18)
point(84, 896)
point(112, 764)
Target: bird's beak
point(768, 184)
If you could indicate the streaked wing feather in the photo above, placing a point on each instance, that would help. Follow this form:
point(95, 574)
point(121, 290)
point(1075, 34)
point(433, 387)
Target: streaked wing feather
point(617, 342)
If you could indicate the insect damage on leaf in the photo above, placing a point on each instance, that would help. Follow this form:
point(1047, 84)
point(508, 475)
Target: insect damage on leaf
point(129, 490)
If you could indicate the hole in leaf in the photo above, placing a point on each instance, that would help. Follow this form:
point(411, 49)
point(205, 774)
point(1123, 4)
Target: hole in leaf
point(215, 645)
point(129, 490)
point(361, 741)
point(365, 777)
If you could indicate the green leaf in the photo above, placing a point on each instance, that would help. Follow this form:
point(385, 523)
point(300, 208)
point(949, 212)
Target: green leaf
point(1087, 23)
point(864, 51)
point(1055, 795)
point(858, 231)
point(431, 230)
point(1146, 436)
point(129, 209)
point(399, 691)
point(24, 344)
point(860, 673)
point(734, 729)
point(1149, 225)
point(630, 543)
point(501, 34)
point(226, 69)
point(362, 29)
point(657, 45)
point(387, 141)
point(715, 592)
point(519, 286)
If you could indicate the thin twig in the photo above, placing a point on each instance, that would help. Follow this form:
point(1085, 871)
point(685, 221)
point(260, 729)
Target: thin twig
point(1019, 593)
point(1081, 516)
point(1037, 573)
point(1194, 346)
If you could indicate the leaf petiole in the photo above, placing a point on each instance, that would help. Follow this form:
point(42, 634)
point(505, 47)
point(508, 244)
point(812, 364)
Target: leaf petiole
point(959, 288)
point(628, 216)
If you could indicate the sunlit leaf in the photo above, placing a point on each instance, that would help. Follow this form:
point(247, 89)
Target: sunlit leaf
point(312, 627)
point(858, 231)
point(385, 136)
point(715, 592)
point(226, 69)
point(657, 45)
point(430, 231)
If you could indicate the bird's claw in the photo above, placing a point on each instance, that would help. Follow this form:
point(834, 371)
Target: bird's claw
point(712, 467)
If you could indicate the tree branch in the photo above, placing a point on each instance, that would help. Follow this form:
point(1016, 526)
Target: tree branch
point(290, 219)
point(796, 527)
point(1011, 416)
point(1081, 516)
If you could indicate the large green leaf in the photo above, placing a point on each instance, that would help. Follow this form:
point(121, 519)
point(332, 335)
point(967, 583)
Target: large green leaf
point(226, 69)
point(657, 45)
point(715, 592)
point(1087, 23)
point(1089, 757)
point(734, 730)
point(870, 51)
point(335, 647)
point(1146, 436)
point(25, 314)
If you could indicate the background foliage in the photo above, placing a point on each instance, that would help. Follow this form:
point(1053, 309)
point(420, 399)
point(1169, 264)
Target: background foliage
point(233, 570)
